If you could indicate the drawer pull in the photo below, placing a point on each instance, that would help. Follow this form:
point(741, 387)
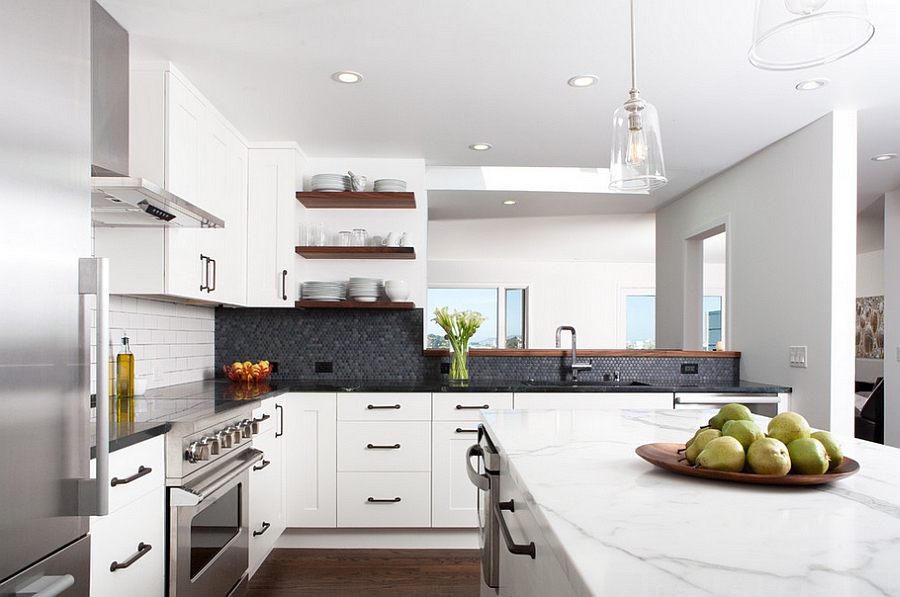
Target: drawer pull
point(380, 406)
point(461, 430)
point(374, 447)
point(142, 471)
point(373, 500)
point(522, 549)
point(265, 527)
point(259, 467)
point(464, 407)
point(143, 548)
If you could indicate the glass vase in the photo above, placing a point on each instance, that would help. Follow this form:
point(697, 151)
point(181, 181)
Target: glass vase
point(459, 370)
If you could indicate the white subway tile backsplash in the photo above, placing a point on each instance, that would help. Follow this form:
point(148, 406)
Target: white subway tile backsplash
point(172, 343)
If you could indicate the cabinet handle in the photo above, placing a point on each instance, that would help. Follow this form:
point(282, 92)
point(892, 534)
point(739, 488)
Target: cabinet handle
point(521, 549)
point(204, 278)
point(462, 407)
point(265, 527)
point(280, 431)
point(374, 447)
point(373, 500)
point(461, 430)
point(259, 467)
point(143, 548)
point(142, 471)
point(214, 270)
point(284, 285)
point(378, 406)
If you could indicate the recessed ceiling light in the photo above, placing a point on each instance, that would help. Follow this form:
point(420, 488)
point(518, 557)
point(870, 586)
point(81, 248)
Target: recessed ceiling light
point(583, 80)
point(509, 202)
point(480, 146)
point(884, 157)
point(811, 84)
point(347, 76)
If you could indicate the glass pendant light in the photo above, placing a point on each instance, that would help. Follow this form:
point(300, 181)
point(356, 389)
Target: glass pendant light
point(636, 160)
point(794, 34)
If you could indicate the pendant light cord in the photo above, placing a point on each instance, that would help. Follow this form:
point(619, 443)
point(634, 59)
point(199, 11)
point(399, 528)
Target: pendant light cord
point(633, 52)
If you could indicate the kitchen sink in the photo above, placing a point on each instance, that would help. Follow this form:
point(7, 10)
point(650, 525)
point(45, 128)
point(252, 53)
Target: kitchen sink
point(582, 384)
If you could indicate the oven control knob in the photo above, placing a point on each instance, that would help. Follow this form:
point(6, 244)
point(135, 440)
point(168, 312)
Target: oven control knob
point(254, 426)
point(213, 444)
point(246, 428)
point(225, 438)
point(197, 451)
point(235, 432)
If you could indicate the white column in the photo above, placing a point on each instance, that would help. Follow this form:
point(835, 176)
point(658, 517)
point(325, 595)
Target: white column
point(892, 318)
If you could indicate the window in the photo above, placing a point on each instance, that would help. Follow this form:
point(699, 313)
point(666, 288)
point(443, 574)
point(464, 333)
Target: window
point(712, 321)
point(503, 306)
point(640, 321)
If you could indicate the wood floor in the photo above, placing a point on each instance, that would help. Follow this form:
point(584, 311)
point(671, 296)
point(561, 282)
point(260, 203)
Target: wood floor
point(368, 573)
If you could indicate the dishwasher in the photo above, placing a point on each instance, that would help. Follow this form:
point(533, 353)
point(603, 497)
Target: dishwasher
point(486, 477)
point(766, 404)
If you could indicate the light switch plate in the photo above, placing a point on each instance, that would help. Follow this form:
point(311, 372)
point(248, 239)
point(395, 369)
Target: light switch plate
point(798, 356)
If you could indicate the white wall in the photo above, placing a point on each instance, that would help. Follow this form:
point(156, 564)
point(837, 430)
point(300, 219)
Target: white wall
point(790, 213)
point(578, 269)
point(892, 323)
point(376, 222)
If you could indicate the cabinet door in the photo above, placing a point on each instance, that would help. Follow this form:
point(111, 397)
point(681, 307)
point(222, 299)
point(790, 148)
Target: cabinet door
point(310, 459)
point(271, 227)
point(185, 142)
point(454, 498)
point(597, 400)
point(267, 508)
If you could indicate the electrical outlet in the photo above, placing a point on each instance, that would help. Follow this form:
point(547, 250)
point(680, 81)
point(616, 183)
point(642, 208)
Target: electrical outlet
point(798, 356)
point(274, 366)
point(445, 367)
point(690, 368)
point(324, 367)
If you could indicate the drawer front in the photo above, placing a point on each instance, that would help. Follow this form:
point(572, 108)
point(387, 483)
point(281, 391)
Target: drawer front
point(385, 446)
point(129, 479)
point(382, 500)
point(384, 406)
point(118, 537)
point(466, 406)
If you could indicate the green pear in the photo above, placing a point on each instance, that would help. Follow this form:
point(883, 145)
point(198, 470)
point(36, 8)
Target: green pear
point(703, 438)
point(808, 456)
point(768, 456)
point(730, 412)
point(722, 454)
point(745, 432)
point(688, 443)
point(787, 427)
point(835, 453)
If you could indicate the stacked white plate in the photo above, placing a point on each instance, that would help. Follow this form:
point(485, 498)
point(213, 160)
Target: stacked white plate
point(366, 290)
point(331, 182)
point(322, 291)
point(389, 185)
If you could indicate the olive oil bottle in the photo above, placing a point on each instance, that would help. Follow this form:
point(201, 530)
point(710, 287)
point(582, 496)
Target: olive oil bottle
point(125, 370)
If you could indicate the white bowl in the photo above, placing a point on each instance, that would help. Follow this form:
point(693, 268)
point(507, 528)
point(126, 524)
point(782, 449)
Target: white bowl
point(396, 290)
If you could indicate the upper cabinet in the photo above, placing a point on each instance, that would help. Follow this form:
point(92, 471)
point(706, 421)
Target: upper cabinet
point(179, 138)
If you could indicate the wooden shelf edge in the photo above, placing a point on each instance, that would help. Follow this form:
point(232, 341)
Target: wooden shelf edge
point(587, 352)
point(356, 200)
point(340, 252)
point(354, 305)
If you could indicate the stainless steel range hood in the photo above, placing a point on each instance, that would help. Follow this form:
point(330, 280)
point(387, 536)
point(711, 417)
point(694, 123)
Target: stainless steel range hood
point(118, 199)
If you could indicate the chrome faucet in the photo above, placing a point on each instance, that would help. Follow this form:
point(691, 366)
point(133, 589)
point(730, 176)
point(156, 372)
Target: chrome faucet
point(575, 366)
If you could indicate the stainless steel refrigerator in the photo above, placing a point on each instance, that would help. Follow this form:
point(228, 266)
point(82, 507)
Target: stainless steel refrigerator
point(45, 227)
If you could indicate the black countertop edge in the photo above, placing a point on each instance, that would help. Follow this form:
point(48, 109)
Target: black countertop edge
point(123, 435)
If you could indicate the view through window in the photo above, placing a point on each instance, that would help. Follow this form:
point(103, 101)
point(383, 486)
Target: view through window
point(640, 321)
point(504, 308)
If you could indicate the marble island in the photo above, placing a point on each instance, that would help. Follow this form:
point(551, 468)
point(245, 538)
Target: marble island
point(616, 525)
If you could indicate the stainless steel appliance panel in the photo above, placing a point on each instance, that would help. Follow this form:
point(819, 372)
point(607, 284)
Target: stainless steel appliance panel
point(486, 477)
point(45, 198)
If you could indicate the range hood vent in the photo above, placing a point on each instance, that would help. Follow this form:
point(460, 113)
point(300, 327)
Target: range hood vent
point(116, 198)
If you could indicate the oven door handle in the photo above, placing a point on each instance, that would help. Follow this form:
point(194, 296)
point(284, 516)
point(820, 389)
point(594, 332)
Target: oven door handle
point(191, 496)
point(482, 482)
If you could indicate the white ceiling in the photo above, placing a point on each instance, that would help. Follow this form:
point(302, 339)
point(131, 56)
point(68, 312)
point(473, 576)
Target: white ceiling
point(440, 76)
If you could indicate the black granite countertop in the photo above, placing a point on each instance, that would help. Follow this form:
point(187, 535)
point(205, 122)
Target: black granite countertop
point(142, 417)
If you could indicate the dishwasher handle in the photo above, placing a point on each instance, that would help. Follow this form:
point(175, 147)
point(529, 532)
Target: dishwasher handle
point(519, 549)
point(481, 481)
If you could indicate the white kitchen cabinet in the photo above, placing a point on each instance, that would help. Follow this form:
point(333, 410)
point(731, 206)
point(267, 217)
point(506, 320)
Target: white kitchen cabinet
point(310, 458)
point(267, 496)
point(180, 141)
point(454, 428)
point(275, 172)
point(384, 460)
point(593, 400)
point(128, 546)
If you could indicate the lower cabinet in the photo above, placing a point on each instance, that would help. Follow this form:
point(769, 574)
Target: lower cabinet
point(599, 400)
point(310, 451)
point(267, 497)
point(128, 546)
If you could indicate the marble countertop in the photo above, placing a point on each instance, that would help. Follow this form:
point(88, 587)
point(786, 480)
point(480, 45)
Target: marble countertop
point(621, 526)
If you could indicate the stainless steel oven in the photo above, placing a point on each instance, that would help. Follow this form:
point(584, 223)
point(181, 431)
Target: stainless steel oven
point(209, 510)
point(485, 475)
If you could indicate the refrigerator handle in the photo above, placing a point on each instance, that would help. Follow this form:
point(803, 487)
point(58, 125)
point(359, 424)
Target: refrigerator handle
point(93, 278)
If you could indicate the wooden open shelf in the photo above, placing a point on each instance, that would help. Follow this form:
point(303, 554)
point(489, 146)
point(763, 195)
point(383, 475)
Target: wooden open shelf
point(356, 252)
point(352, 200)
point(353, 305)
